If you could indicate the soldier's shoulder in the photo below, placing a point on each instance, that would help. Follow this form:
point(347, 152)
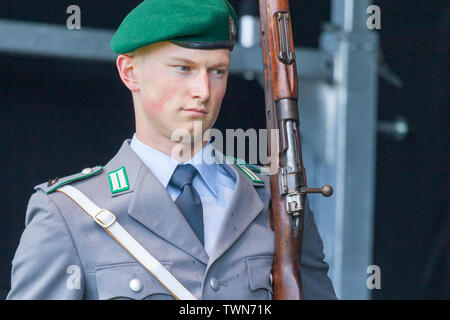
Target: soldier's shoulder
point(53, 184)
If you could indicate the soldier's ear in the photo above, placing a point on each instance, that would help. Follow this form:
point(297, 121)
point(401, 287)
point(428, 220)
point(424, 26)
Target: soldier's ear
point(127, 67)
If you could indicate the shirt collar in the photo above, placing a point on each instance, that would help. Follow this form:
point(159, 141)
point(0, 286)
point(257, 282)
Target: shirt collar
point(163, 165)
point(206, 165)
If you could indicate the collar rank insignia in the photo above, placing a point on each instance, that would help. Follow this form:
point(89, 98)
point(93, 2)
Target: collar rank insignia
point(248, 170)
point(118, 180)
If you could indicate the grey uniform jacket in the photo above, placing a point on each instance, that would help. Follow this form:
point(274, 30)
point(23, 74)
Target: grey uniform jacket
point(64, 254)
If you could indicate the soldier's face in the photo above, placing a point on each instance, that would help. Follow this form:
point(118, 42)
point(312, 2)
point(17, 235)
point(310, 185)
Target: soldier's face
point(180, 86)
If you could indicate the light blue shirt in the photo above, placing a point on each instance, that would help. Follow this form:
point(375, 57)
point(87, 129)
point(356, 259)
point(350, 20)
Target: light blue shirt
point(213, 183)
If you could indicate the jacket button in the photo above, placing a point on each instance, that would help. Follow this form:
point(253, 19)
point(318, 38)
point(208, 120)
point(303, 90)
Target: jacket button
point(135, 285)
point(52, 182)
point(87, 171)
point(271, 279)
point(214, 284)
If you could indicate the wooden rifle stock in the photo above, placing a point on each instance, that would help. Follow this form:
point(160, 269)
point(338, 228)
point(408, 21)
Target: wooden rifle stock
point(288, 187)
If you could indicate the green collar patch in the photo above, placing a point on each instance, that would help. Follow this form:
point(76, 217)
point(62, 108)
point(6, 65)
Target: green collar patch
point(248, 170)
point(118, 180)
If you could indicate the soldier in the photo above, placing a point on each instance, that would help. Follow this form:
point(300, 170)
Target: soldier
point(152, 223)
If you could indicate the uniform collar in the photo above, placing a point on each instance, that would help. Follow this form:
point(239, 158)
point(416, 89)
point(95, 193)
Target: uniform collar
point(163, 165)
point(150, 204)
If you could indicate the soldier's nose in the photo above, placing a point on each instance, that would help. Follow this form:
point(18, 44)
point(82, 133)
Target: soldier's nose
point(201, 88)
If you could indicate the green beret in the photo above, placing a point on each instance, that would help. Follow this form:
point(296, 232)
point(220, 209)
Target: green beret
point(197, 24)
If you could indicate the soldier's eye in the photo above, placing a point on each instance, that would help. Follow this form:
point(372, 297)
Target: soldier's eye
point(183, 68)
point(219, 72)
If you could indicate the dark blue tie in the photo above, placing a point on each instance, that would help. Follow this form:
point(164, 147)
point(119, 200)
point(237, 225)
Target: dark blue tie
point(189, 201)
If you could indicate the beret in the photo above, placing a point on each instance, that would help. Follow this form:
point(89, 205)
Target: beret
point(196, 24)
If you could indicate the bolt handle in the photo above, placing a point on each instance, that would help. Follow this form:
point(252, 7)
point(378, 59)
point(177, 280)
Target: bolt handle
point(326, 190)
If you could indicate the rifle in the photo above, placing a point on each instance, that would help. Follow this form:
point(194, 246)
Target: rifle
point(288, 187)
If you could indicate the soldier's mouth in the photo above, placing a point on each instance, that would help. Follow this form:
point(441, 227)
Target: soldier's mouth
point(197, 112)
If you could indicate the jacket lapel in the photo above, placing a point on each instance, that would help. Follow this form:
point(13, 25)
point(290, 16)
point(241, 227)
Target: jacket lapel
point(152, 206)
point(243, 208)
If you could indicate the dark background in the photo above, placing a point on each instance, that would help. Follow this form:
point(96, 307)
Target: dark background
point(60, 115)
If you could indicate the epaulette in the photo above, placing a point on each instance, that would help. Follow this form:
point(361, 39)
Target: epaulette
point(249, 170)
point(53, 184)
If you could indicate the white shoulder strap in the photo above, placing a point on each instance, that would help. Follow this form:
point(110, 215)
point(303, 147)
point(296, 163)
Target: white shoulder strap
point(107, 220)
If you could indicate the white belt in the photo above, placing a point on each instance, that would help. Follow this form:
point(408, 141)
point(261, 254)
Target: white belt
point(107, 220)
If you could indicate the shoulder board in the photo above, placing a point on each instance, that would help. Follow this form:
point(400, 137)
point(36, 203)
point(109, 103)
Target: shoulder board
point(248, 169)
point(53, 184)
